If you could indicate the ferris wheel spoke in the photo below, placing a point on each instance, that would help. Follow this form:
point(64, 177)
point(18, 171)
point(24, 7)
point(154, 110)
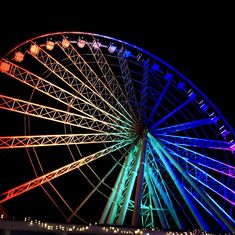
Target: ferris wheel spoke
point(197, 190)
point(144, 91)
point(215, 210)
point(45, 87)
point(195, 170)
point(205, 161)
point(110, 77)
point(123, 54)
point(226, 214)
point(193, 161)
point(154, 93)
point(56, 140)
point(95, 188)
point(59, 94)
point(159, 186)
point(161, 196)
point(87, 93)
point(163, 153)
point(159, 100)
point(59, 70)
point(207, 209)
point(119, 200)
point(52, 114)
point(185, 126)
point(212, 183)
point(160, 172)
point(127, 191)
point(148, 205)
point(98, 86)
point(197, 142)
point(59, 172)
point(170, 114)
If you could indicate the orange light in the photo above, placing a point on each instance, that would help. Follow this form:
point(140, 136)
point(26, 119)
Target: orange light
point(81, 43)
point(50, 45)
point(19, 56)
point(65, 43)
point(34, 49)
point(4, 67)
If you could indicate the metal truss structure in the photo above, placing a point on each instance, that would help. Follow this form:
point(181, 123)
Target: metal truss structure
point(96, 129)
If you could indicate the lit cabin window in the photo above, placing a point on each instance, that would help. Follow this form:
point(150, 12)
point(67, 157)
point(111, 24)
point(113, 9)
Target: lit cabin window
point(155, 67)
point(168, 76)
point(34, 49)
point(19, 56)
point(49, 45)
point(127, 54)
point(4, 67)
point(81, 43)
point(65, 43)
point(111, 48)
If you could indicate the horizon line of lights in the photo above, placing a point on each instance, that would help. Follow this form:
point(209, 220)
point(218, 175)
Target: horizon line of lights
point(109, 229)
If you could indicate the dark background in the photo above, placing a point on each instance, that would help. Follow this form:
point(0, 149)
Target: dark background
point(195, 38)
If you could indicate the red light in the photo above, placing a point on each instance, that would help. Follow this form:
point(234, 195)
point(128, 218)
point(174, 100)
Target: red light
point(81, 43)
point(4, 67)
point(19, 56)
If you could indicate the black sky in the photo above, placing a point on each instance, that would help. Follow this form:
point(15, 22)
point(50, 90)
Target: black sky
point(194, 38)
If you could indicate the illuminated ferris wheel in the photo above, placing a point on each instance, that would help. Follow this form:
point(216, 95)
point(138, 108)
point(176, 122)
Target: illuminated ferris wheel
point(94, 129)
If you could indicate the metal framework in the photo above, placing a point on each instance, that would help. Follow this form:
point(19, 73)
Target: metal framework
point(91, 121)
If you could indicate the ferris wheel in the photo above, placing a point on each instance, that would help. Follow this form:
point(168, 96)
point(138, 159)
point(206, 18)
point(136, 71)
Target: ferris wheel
point(95, 129)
